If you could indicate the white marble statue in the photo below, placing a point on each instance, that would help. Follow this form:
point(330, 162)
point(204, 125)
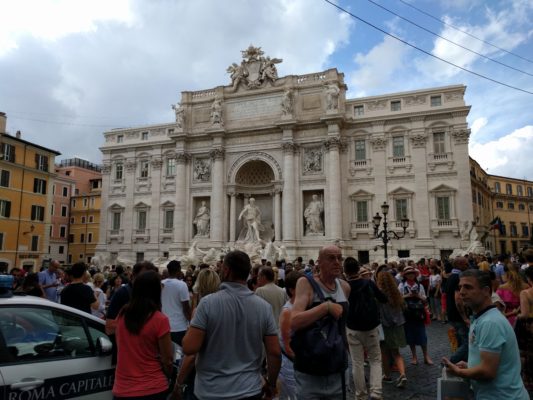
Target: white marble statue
point(313, 216)
point(211, 257)
point(238, 74)
point(201, 220)
point(332, 97)
point(286, 103)
point(180, 114)
point(282, 253)
point(216, 112)
point(193, 257)
point(270, 252)
point(251, 216)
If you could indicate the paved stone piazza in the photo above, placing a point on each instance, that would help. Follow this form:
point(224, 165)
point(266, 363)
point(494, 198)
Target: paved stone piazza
point(317, 164)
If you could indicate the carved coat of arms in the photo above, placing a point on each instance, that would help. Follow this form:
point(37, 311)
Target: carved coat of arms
point(254, 70)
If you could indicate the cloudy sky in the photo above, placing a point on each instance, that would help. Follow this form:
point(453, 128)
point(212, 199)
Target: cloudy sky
point(72, 69)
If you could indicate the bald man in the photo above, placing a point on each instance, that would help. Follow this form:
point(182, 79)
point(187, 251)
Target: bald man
point(307, 309)
point(49, 281)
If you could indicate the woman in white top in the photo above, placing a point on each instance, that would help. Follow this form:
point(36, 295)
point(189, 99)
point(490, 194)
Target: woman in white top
point(98, 281)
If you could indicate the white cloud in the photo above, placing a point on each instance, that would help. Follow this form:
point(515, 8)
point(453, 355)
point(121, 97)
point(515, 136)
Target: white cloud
point(508, 155)
point(477, 125)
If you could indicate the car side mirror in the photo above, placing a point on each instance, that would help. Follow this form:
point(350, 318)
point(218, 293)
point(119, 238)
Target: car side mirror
point(104, 346)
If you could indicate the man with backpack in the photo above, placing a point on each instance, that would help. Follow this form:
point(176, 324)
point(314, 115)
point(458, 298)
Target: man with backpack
point(320, 309)
point(362, 330)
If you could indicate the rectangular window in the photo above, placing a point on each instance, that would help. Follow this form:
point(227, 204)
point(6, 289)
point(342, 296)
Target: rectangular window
point(519, 190)
point(144, 136)
point(525, 230)
point(398, 147)
point(141, 220)
point(438, 143)
point(92, 201)
point(90, 237)
point(362, 211)
point(497, 188)
point(400, 209)
point(145, 165)
point(119, 169)
point(8, 152)
point(85, 202)
point(4, 178)
point(443, 208)
point(522, 207)
point(35, 243)
point(51, 231)
point(510, 206)
point(169, 219)
point(360, 150)
point(509, 188)
point(65, 191)
point(64, 211)
point(82, 220)
point(171, 166)
point(1, 240)
point(71, 238)
point(52, 209)
point(499, 204)
point(436, 101)
point(53, 189)
point(73, 202)
point(41, 162)
point(91, 219)
point(39, 186)
point(120, 138)
point(37, 213)
point(359, 111)
point(116, 221)
point(512, 227)
point(395, 105)
point(530, 191)
point(82, 238)
point(62, 231)
point(61, 250)
point(72, 220)
point(5, 208)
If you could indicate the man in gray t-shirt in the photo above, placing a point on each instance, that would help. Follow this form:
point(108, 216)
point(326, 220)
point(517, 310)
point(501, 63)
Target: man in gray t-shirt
point(227, 334)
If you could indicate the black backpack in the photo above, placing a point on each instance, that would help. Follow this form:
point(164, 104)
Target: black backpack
point(363, 309)
point(320, 348)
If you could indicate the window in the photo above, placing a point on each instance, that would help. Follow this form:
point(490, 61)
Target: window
point(443, 208)
point(41, 162)
point(362, 211)
point(61, 250)
point(141, 220)
point(84, 202)
point(69, 258)
point(436, 101)
point(52, 209)
point(522, 207)
point(2, 240)
point(119, 169)
point(72, 220)
point(512, 228)
point(62, 231)
point(35, 243)
point(95, 184)
point(474, 196)
point(90, 237)
point(37, 213)
point(91, 219)
point(360, 150)
point(5, 208)
point(73, 202)
point(82, 238)
point(497, 187)
point(169, 219)
point(53, 189)
point(8, 152)
point(171, 166)
point(145, 165)
point(51, 233)
point(39, 186)
point(530, 191)
point(519, 190)
point(509, 188)
point(395, 105)
point(116, 221)
point(65, 191)
point(359, 111)
point(92, 201)
point(397, 146)
point(479, 198)
point(4, 178)
point(400, 208)
point(144, 136)
point(525, 230)
point(499, 204)
point(71, 238)
point(120, 138)
point(64, 211)
point(510, 206)
point(438, 143)
point(82, 220)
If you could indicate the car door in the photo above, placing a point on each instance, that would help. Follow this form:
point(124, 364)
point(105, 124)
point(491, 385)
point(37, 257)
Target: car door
point(52, 354)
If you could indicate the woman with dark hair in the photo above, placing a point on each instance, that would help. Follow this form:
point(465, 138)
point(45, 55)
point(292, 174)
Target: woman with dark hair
point(144, 344)
point(30, 286)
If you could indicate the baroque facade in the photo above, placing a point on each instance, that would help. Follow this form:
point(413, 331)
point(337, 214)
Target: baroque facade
point(318, 166)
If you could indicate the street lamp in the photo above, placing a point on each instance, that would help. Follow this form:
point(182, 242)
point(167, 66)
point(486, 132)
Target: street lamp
point(385, 235)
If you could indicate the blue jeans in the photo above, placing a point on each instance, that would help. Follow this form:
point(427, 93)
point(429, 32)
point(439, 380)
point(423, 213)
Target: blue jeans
point(461, 331)
point(313, 387)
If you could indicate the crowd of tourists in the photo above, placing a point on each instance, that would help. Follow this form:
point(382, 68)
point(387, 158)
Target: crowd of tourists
point(300, 330)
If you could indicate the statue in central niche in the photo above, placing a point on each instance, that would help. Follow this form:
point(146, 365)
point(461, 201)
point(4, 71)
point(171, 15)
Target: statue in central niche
point(251, 216)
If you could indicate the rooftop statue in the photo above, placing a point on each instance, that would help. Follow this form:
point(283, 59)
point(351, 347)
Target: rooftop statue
point(254, 70)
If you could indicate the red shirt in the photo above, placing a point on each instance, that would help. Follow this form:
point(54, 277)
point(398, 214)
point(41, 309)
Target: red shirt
point(139, 371)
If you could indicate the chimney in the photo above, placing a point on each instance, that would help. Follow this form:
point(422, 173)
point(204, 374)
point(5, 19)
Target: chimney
point(18, 134)
point(3, 122)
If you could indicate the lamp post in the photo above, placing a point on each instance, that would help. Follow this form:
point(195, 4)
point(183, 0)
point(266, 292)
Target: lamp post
point(385, 235)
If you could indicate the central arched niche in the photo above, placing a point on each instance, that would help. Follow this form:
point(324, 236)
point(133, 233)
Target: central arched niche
point(255, 178)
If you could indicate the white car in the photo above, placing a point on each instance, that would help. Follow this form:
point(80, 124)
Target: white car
point(51, 351)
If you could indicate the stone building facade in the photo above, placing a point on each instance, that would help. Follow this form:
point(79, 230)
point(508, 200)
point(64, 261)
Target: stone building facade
point(318, 166)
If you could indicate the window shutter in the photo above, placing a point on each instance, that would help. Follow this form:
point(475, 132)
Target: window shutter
point(37, 161)
point(8, 209)
point(45, 160)
point(41, 215)
point(44, 187)
point(32, 213)
point(12, 154)
point(35, 185)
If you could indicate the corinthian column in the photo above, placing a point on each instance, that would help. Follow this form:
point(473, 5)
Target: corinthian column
point(217, 195)
point(288, 199)
point(180, 221)
point(334, 205)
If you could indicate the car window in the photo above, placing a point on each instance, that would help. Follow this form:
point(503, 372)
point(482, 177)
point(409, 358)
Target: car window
point(30, 334)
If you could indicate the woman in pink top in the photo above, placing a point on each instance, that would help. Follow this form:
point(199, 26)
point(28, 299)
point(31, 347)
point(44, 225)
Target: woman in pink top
point(144, 345)
point(510, 292)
